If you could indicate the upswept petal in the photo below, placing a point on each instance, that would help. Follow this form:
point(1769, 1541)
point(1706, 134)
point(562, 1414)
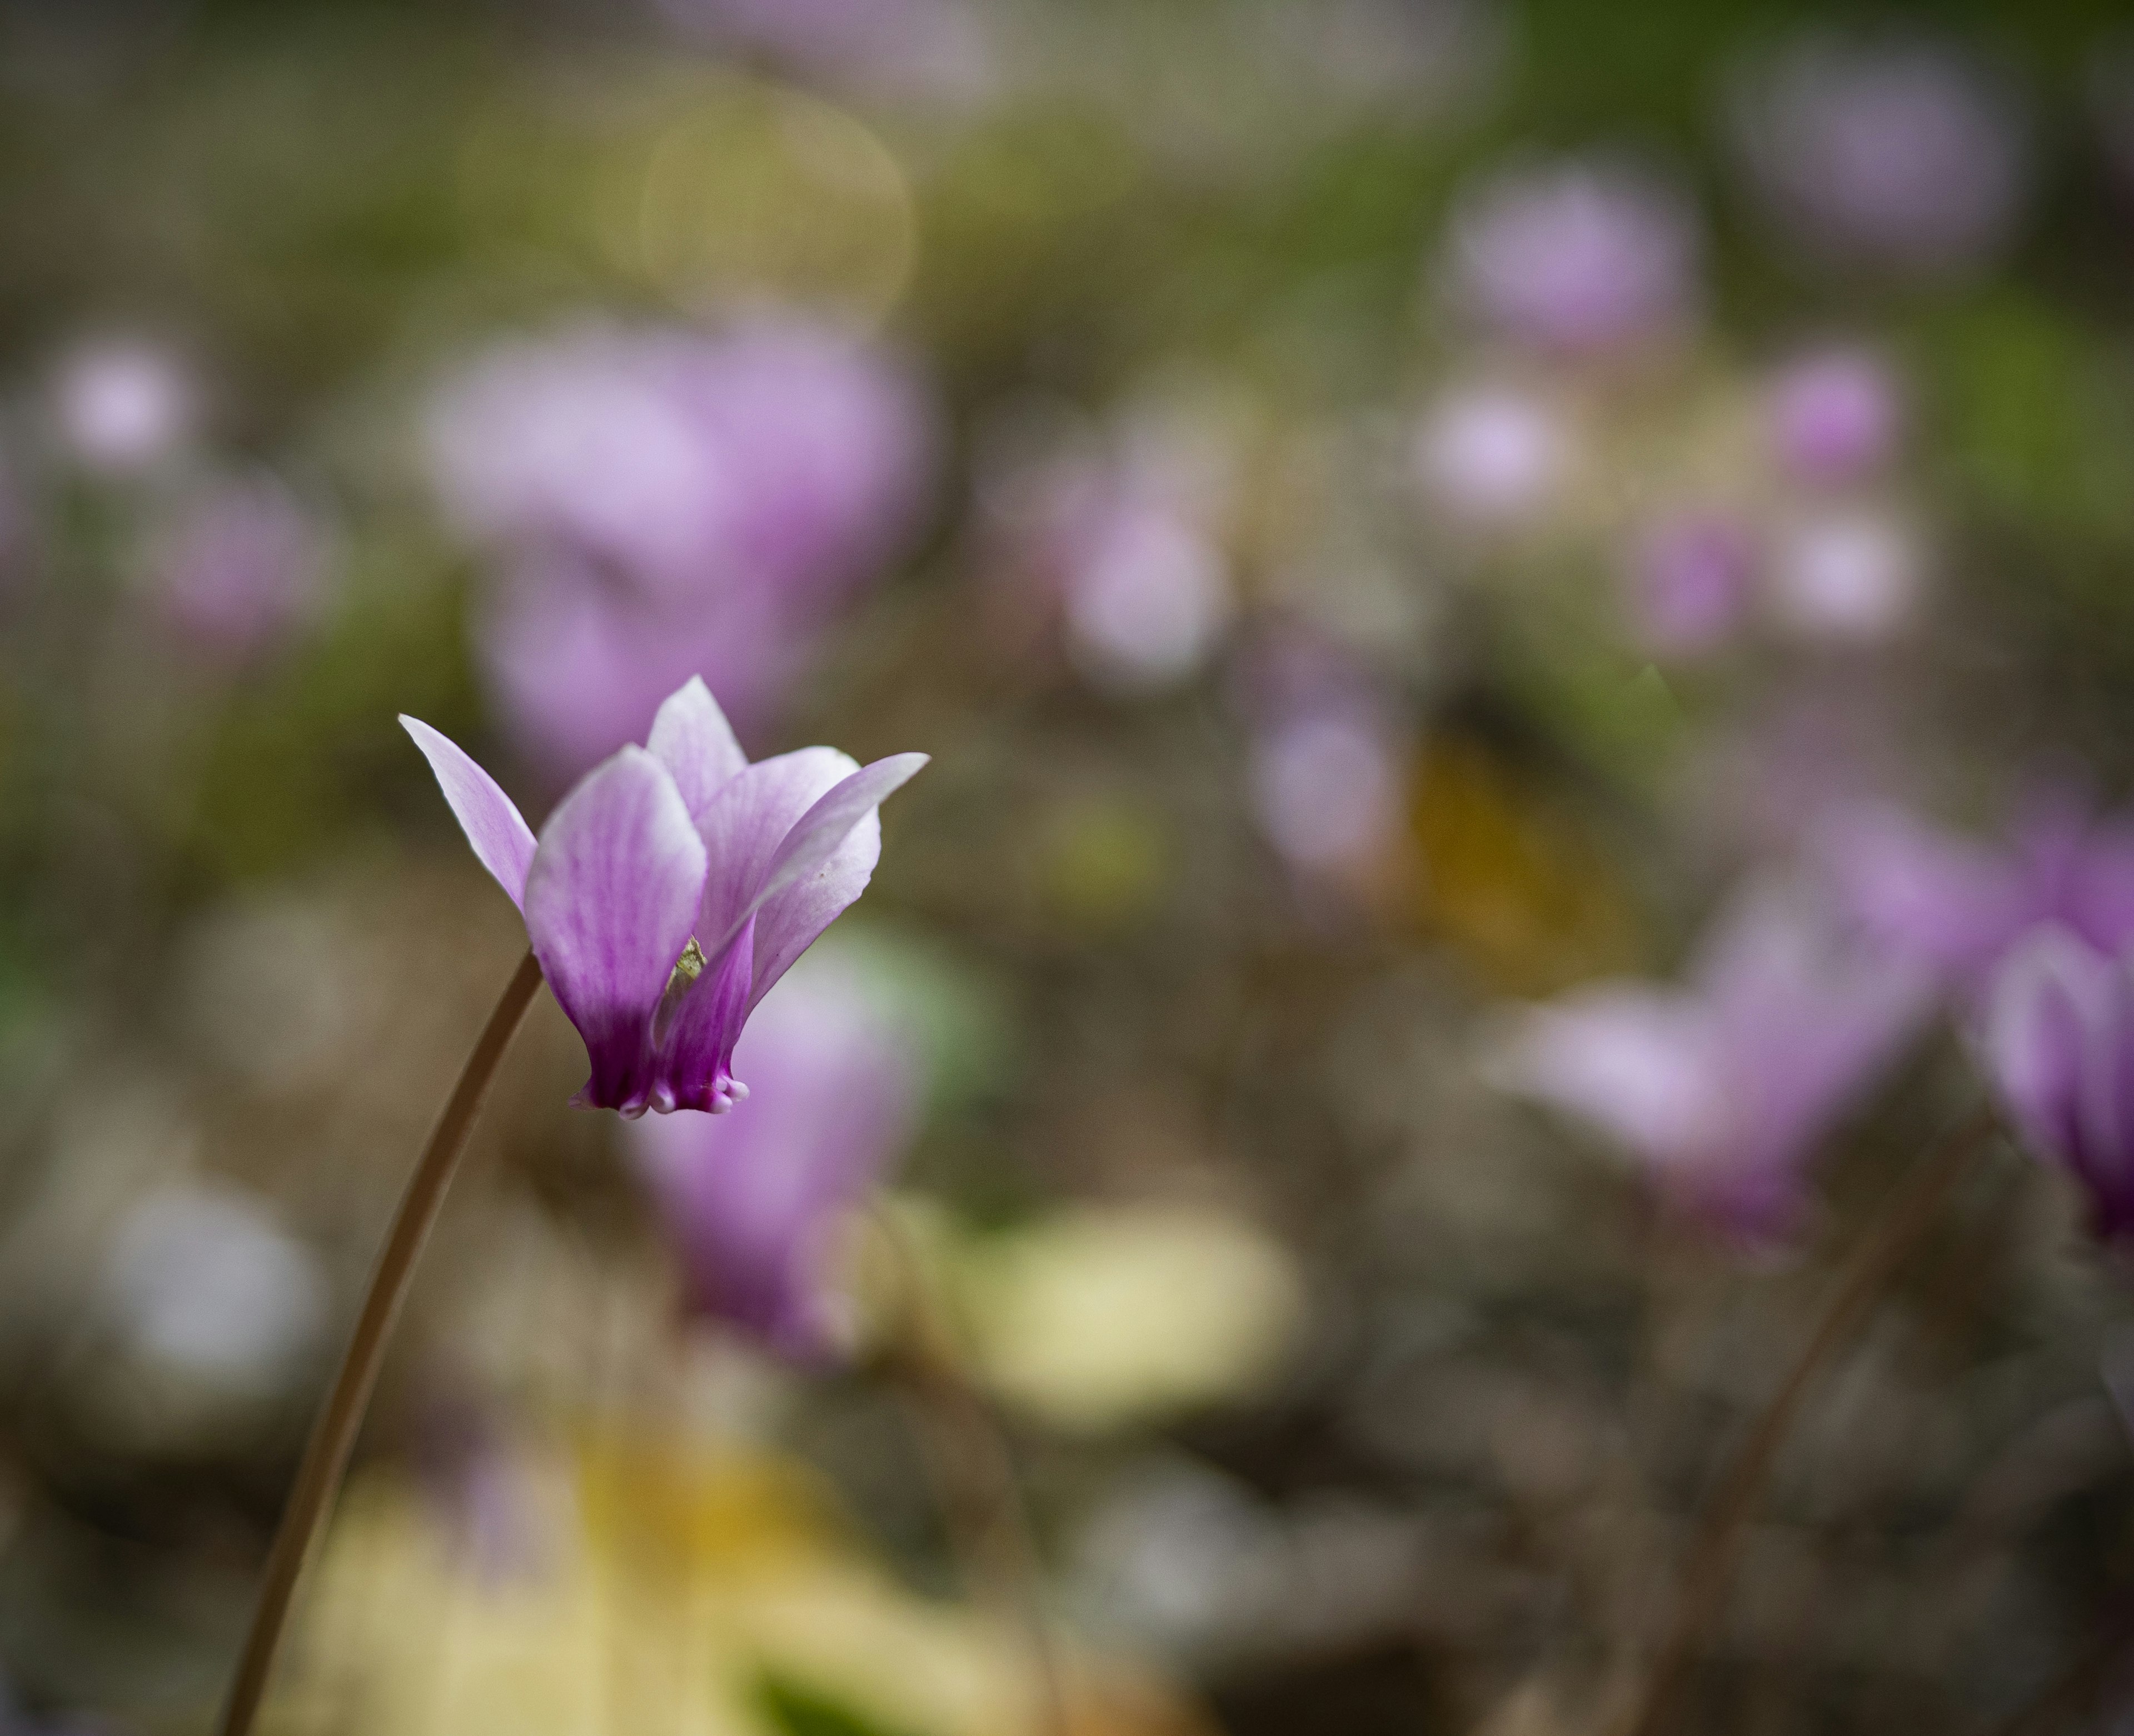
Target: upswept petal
point(814, 838)
point(503, 841)
point(744, 823)
point(791, 921)
point(692, 738)
point(611, 895)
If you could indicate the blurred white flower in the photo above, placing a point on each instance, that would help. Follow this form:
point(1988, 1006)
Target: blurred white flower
point(122, 403)
point(1326, 787)
point(1848, 575)
point(199, 1279)
point(1491, 455)
point(1147, 598)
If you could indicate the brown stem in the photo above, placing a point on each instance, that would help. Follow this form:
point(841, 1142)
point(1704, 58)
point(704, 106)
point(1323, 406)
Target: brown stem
point(333, 1436)
point(1902, 1221)
point(981, 1497)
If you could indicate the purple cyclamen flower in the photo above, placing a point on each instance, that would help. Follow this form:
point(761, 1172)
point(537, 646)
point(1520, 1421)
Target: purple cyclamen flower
point(673, 886)
point(1581, 256)
point(666, 501)
point(751, 1202)
point(1722, 1089)
point(1691, 578)
point(243, 567)
point(1898, 155)
point(2060, 1046)
point(1958, 904)
point(1835, 416)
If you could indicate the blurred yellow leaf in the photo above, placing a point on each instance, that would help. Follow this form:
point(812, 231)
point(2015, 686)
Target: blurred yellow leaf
point(1101, 1317)
point(1518, 886)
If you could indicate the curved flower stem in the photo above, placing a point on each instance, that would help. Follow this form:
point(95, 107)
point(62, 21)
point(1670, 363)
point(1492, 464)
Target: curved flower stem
point(981, 1497)
point(1897, 1230)
point(333, 1436)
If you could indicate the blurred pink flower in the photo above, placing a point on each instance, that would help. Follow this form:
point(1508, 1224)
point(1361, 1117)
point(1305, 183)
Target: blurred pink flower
point(660, 501)
point(1723, 1089)
point(2060, 1046)
point(1582, 255)
point(1690, 580)
point(120, 404)
point(750, 1200)
point(1835, 416)
point(244, 568)
point(1958, 904)
point(1900, 155)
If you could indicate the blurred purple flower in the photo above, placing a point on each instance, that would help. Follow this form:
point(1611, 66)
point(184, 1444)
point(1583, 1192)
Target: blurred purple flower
point(1491, 456)
point(1958, 904)
point(1851, 576)
point(669, 500)
point(2060, 1046)
point(1691, 580)
point(244, 568)
point(673, 886)
point(120, 404)
point(1581, 256)
point(1835, 416)
point(1899, 155)
point(750, 1200)
point(1723, 1089)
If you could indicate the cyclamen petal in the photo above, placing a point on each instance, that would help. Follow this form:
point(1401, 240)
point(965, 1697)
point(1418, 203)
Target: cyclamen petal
point(791, 921)
point(692, 738)
point(697, 1031)
point(745, 824)
point(611, 899)
point(502, 840)
point(815, 837)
